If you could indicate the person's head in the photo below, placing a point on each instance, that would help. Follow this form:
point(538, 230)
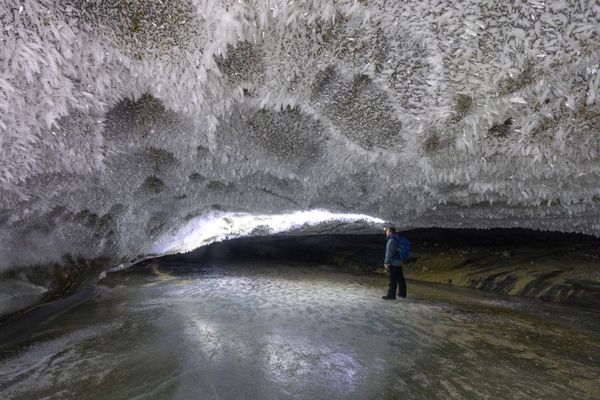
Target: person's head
point(389, 230)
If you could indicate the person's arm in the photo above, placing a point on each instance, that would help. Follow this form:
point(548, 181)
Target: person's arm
point(389, 252)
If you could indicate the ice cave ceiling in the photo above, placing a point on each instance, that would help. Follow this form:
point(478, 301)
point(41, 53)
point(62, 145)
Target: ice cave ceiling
point(121, 120)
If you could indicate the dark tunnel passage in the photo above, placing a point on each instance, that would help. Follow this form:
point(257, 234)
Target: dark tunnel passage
point(551, 266)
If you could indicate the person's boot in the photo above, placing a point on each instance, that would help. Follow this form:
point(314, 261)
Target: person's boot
point(388, 298)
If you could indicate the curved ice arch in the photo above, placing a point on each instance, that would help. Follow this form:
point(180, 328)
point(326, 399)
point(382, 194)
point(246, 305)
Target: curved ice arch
point(204, 230)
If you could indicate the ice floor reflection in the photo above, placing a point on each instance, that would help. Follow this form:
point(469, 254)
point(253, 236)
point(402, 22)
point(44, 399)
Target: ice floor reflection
point(281, 332)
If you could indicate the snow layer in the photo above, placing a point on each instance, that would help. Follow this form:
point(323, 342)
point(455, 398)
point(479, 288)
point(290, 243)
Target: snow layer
point(122, 120)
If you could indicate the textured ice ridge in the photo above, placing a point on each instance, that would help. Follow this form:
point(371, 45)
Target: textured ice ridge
point(123, 120)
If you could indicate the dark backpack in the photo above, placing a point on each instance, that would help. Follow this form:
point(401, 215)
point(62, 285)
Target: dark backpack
point(403, 247)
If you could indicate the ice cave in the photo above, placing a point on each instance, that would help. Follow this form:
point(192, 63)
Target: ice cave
point(192, 197)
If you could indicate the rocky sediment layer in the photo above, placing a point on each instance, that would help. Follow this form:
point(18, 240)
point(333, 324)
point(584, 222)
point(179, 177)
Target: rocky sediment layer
point(560, 275)
point(24, 289)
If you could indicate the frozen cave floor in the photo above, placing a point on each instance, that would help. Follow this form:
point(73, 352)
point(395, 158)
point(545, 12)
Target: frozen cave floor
point(288, 331)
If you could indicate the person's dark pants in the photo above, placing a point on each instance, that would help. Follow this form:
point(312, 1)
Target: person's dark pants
point(396, 279)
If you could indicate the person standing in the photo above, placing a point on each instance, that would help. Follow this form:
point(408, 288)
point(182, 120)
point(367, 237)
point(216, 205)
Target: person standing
point(393, 265)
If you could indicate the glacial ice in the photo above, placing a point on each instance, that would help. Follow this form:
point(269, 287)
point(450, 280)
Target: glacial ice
point(218, 227)
point(121, 121)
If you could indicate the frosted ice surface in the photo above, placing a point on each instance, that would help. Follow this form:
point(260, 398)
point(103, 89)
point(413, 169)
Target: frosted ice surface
point(122, 121)
point(218, 227)
point(260, 331)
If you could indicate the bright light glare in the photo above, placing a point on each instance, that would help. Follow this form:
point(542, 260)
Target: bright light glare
point(204, 230)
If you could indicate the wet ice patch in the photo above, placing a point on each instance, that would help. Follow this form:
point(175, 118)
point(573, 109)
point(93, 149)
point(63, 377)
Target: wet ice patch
point(274, 331)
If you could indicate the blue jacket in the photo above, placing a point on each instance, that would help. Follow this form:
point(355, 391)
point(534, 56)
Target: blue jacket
point(392, 255)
